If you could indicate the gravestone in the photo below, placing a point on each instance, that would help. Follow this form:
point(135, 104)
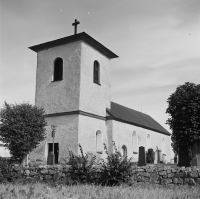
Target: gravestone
point(164, 158)
point(196, 161)
point(156, 157)
point(183, 160)
point(175, 159)
point(142, 158)
point(50, 158)
point(159, 156)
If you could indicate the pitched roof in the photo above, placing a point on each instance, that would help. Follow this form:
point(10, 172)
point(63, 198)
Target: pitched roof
point(77, 37)
point(130, 116)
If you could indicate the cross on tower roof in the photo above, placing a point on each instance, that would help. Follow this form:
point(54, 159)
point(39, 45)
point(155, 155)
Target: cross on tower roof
point(75, 26)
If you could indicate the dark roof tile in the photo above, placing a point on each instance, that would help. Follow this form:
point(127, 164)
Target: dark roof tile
point(80, 36)
point(130, 116)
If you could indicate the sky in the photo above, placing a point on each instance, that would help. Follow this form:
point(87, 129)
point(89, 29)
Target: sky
point(157, 41)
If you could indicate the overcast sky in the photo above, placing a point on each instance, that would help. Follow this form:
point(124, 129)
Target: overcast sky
point(157, 41)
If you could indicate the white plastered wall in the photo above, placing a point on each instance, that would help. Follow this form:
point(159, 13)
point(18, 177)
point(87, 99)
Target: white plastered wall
point(66, 135)
point(58, 96)
point(94, 98)
point(88, 127)
point(122, 135)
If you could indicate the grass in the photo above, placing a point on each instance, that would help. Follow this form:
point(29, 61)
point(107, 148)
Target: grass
point(45, 191)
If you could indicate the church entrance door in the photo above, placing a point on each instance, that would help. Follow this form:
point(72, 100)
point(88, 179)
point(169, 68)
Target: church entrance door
point(56, 150)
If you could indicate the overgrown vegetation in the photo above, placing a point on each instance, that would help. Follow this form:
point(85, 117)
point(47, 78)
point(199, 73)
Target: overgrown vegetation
point(6, 171)
point(112, 171)
point(22, 128)
point(81, 168)
point(115, 169)
point(84, 170)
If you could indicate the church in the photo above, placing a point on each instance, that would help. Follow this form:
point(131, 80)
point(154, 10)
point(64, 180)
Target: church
point(73, 85)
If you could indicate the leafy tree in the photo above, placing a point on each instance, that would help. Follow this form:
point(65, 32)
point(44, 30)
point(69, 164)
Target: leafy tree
point(22, 128)
point(184, 109)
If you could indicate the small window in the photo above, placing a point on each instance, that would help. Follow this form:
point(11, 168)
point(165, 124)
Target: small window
point(58, 69)
point(96, 72)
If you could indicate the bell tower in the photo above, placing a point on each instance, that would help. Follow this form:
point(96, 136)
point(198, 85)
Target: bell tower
point(73, 86)
point(73, 74)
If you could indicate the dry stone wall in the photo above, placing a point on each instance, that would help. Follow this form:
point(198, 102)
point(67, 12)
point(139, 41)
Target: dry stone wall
point(164, 175)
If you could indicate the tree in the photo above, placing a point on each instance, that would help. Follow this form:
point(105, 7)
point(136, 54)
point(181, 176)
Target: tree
point(184, 109)
point(21, 128)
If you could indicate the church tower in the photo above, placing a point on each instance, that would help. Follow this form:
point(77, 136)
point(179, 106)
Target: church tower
point(73, 86)
point(73, 73)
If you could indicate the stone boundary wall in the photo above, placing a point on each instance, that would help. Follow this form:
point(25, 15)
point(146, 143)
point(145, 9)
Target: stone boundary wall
point(163, 175)
point(166, 175)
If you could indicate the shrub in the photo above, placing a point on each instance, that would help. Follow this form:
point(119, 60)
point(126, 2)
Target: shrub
point(116, 169)
point(7, 171)
point(81, 168)
point(150, 156)
point(4, 168)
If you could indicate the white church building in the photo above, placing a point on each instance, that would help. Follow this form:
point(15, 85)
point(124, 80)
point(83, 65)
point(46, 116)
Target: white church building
point(73, 85)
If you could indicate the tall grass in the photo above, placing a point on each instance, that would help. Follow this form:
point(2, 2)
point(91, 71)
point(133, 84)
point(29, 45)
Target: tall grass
point(38, 190)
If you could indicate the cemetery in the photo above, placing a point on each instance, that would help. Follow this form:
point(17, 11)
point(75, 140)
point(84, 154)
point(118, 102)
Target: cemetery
point(85, 169)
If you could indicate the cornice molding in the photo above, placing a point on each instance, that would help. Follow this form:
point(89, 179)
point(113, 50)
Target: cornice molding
point(111, 117)
point(78, 112)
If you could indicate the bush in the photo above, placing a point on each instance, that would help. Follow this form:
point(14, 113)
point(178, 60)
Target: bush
point(81, 168)
point(116, 169)
point(5, 168)
point(150, 156)
point(7, 173)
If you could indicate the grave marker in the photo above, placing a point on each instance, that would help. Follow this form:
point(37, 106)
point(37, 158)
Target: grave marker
point(142, 158)
point(184, 160)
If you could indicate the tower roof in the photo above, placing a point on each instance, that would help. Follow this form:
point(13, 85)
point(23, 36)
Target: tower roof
point(77, 37)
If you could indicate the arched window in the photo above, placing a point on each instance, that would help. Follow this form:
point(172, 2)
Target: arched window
point(134, 142)
point(138, 142)
point(148, 142)
point(96, 72)
point(99, 144)
point(124, 151)
point(58, 69)
point(163, 146)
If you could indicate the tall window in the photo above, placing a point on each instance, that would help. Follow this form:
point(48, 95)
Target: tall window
point(96, 72)
point(148, 142)
point(99, 144)
point(134, 142)
point(163, 146)
point(58, 69)
point(138, 143)
point(124, 151)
